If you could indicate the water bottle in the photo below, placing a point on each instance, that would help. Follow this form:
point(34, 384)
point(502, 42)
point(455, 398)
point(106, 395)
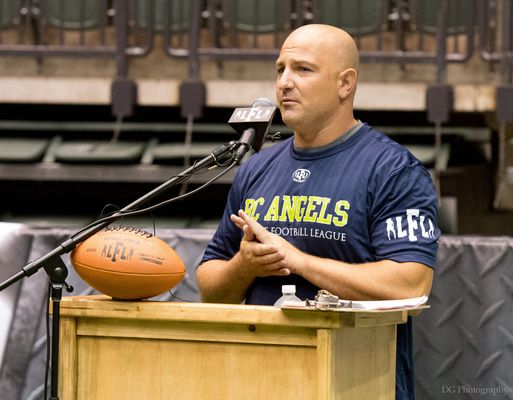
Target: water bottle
point(288, 294)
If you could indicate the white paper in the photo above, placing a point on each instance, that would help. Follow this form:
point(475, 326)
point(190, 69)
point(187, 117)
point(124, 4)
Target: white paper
point(389, 304)
point(362, 305)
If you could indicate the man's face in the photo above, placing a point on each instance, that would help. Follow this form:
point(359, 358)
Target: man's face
point(306, 84)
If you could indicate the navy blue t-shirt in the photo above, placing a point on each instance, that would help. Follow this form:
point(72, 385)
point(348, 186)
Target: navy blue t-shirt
point(358, 200)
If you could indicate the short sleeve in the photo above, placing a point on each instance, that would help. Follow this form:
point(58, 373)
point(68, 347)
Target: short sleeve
point(404, 225)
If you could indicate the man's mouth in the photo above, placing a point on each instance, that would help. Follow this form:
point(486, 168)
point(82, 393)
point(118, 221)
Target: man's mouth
point(285, 101)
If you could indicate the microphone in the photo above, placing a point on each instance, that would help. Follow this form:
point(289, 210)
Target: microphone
point(252, 123)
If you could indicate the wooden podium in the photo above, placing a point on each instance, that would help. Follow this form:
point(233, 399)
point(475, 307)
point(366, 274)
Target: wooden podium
point(116, 350)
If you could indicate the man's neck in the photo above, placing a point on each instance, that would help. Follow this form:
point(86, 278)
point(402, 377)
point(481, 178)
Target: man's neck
point(322, 138)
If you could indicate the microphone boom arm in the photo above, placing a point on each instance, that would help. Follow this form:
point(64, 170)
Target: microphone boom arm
point(69, 244)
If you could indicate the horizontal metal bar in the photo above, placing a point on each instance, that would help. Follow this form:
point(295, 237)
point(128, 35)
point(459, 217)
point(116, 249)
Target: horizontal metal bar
point(127, 126)
point(419, 57)
point(55, 50)
point(56, 172)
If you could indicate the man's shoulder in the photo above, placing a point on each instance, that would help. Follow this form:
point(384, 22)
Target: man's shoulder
point(383, 142)
point(381, 147)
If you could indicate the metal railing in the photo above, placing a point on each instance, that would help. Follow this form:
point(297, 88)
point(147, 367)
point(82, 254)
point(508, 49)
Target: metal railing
point(433, 32)
point(39, 27)
point(385, 31)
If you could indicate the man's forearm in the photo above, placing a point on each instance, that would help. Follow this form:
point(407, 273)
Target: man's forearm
point(381, 280)
point(220, 281)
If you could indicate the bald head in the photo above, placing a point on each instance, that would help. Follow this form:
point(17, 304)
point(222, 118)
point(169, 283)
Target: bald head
point(334, 41)
point(316, 78)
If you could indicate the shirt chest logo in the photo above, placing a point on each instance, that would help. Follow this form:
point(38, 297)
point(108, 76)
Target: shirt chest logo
point(300, 175)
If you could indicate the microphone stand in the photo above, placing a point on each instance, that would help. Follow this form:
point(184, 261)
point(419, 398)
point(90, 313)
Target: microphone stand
point(57, 270)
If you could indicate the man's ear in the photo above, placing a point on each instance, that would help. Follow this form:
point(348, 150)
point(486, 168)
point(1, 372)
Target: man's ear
point(347, 83)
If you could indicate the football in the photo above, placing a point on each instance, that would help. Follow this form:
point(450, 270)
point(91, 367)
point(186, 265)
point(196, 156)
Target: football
point(127, 263)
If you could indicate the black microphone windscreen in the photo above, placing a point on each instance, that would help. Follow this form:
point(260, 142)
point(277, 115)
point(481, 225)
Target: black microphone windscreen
point(253, 123)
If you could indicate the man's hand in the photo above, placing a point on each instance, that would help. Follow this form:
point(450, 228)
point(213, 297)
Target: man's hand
point(255, 236)
point(256, 257)
point(227, 281)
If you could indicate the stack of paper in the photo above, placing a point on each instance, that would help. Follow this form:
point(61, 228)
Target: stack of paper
point(389, 304)
point(359, 305)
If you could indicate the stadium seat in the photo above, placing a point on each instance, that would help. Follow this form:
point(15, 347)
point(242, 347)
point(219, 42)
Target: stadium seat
point(459, 17)
point(357, 17)
point(74, 14)
point(260, 16)
point(100, 152)
point(6, 12)
point(179, 14)
point(22, 150)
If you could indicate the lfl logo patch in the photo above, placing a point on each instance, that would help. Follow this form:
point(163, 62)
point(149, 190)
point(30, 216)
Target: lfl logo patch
point(416, 224)
point(300, 175)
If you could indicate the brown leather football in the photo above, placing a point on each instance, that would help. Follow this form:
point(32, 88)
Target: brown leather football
point(127, 263)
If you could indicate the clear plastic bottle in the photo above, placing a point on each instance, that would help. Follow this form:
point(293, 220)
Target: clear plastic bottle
point(288, 294)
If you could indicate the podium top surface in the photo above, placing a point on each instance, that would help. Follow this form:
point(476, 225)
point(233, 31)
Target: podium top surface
point(104, 307)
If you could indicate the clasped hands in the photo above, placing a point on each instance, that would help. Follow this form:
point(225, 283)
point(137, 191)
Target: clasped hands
point(263, 253)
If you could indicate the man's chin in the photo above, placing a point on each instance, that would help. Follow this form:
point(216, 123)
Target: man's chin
point(290, 119)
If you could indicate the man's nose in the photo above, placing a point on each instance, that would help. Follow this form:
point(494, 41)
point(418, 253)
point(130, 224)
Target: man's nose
point(284, 82)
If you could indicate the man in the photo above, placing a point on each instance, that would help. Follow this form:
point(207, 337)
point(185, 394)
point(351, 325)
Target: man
point(338, 206)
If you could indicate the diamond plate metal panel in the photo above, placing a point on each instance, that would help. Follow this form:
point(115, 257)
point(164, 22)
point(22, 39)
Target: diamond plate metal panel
point(470, 322)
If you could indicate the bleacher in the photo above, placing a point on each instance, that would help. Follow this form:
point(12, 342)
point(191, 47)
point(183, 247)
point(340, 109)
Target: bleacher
point(130, 92)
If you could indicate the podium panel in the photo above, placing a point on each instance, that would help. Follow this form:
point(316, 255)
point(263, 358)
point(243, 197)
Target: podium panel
point(191, 351)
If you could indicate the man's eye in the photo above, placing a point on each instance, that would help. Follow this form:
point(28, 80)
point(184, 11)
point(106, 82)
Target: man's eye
point(304, 69)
